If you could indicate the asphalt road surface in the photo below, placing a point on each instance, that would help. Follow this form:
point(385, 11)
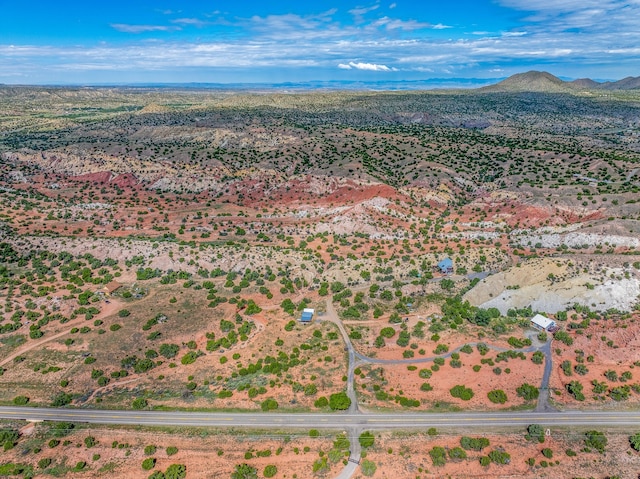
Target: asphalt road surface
point(476, 420)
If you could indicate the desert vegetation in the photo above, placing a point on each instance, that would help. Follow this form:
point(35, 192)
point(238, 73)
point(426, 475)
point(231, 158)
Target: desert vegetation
point(157, 249)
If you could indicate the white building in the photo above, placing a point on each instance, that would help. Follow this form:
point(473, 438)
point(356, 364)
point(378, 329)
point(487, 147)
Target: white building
point(542, 322)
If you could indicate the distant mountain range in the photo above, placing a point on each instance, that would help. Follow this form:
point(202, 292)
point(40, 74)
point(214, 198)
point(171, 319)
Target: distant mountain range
point(532, 81)
point(535, 81)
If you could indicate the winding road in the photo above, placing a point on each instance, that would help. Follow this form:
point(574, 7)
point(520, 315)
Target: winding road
point(356, 422)
point(353, 421)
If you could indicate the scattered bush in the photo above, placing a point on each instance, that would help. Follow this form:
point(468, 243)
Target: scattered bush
point(596, 440)
point(457, 454)
point(497, 396)
point(171, 450)
point(176, 471)
point(20, 400)
point(438, 456)
point(150, 450)
point(535, 432)
point(368, 468)
point(474, 443)
point(139, 403)
point(270, 471)
point(339, 401)
point(366, 439)
point(528, 392)
point(269, 404)
point(461, 392)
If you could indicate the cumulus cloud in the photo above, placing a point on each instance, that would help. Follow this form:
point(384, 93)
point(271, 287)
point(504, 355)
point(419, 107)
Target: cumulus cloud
point(620, 16)
point(406, 25)
point(373, 67)
point(126, 28)
point(550, 36)
point(358, 11)
point(195, 22)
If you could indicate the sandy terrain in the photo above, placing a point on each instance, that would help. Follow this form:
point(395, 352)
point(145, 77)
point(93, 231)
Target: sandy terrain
point(555, 285)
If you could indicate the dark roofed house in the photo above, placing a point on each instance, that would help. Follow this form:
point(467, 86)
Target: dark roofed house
point(111, 287)
point(307, 315)
point(446, 266)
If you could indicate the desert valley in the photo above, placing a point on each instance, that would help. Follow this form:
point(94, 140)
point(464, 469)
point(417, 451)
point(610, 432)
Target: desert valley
point(159, 248)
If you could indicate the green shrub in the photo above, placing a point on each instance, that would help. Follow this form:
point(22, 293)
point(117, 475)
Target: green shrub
point(139, 403)
point(596, 440)
point(269, 404)
point(321, 402)
point(176, 471)
point(438, 456)
point(499, 457)
point(528, 392)
point(61, 399)
point(171, 450)
point(497, 396)
point(461, 392)
point(474, 444)
point(387, 332)
point(366, 439)
point(339, 401)
point(150, 450)
point(635, 441)
point(189, 358)
point(457, 454)
point(367, 467)
point(535, 432)
point(149, 463)
point(20, 400)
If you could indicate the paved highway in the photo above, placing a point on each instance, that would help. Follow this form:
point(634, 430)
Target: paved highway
point(476, 420)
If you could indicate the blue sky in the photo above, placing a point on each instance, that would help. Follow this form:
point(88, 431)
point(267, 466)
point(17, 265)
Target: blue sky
point(221, 41)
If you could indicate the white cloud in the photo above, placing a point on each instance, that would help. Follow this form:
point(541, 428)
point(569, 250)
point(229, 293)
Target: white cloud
point(440, 26)
point(196, 22)
point(373, 67)
point(613, 16)
point(548, 38)
point(392, 6)
point(406, 25)
point(126, 28)
point(359, 11)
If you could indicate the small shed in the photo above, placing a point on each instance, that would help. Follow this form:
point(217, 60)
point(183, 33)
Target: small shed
point(446, 266)
point(307, 315)
point(543, 323)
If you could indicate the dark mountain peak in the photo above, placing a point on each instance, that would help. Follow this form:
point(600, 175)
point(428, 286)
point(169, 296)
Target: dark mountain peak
point(628, 83)
point(534, 81)
point(585, 83)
